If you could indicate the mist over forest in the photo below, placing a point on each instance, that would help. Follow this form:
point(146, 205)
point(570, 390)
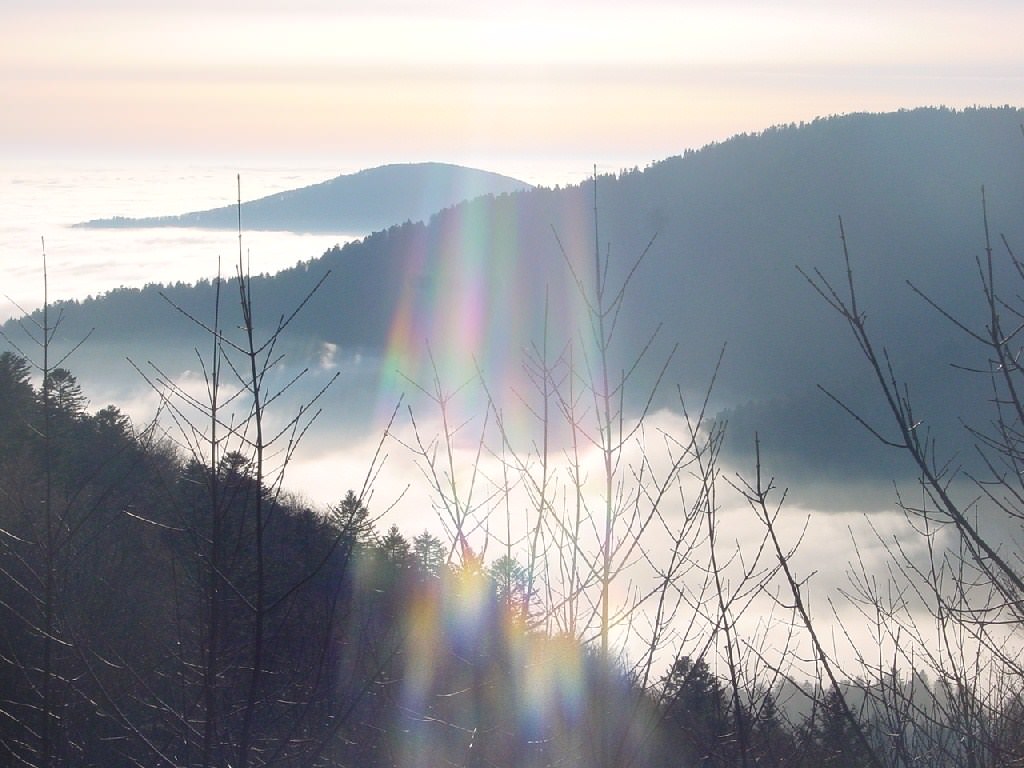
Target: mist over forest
point(586, 372)
point(733, 225)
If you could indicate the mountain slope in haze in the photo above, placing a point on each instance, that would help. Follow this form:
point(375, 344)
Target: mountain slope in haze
point(731, 223)
point(360, 202)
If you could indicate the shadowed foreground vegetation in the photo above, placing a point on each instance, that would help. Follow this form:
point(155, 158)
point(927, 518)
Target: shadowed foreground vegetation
point(380, 649)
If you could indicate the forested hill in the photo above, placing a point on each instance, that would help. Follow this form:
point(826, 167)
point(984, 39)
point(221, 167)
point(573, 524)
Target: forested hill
point(374, 648)
point(731, 223)
point(360, 202)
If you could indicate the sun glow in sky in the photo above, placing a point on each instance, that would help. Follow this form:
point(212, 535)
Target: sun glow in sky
point(526, 88)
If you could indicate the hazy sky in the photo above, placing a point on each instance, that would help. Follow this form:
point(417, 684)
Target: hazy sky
point(534, 88)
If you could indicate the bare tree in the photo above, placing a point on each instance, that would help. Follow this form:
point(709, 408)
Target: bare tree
point(50, 529)
point(945, 621)
point(240, 458)
point(609, 556)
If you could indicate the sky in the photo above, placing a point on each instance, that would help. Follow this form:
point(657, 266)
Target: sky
point(539, 90)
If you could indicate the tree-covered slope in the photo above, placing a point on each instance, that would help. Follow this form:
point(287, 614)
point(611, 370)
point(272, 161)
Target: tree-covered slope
point(731, 224)
point(130, 573)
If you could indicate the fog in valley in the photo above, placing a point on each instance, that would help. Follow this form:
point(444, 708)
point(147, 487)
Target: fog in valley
point(720, 450)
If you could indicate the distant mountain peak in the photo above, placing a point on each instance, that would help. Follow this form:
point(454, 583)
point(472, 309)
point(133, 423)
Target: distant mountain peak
point(357, 203)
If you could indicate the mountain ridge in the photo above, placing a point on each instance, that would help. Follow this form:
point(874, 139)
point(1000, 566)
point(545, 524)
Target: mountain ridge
point(731, 224)
point(364, 201)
